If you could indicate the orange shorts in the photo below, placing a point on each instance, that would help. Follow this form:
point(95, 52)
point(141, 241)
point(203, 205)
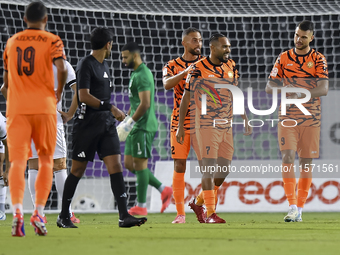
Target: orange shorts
point(21, 129)
point(181, 151)
point(304, 140)
point(216, 143)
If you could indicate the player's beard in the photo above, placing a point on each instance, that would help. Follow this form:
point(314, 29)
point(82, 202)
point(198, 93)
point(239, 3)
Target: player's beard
point(193, 52)
point(222, 59)
point(302, 47)
point(131, 64)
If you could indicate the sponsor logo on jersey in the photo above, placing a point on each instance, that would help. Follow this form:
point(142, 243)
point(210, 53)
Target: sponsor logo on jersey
point(274, 72)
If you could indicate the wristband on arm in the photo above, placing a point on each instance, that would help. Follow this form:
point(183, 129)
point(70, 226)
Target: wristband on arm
point(105, 106)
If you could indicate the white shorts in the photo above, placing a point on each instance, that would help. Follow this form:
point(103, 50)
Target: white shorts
point(3, 132)
point(60, 148)
point(2, 147)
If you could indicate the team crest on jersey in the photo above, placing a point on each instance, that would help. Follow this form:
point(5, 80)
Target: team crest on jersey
point(310, 64)
point(230, 74)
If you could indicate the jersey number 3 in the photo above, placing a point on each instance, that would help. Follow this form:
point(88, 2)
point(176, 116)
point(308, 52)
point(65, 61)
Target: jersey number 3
point(29, 54)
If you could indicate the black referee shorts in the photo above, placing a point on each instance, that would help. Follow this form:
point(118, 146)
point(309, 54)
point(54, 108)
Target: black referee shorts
point(96, 132)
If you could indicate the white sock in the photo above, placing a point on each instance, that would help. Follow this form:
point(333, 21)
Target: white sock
point(161, 188)
point(60, 178)
point(18, 206)
point(3, 191)
point(300, 210)
point(143, 205)
point(32, 176)
point(40, 209)
point(293, 207)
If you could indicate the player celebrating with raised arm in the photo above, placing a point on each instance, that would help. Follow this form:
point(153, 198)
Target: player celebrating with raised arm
point(174, 75)
point(300, 67)
point(216, 142)
point(94, 129)
point(139, 130)
point(31, 109)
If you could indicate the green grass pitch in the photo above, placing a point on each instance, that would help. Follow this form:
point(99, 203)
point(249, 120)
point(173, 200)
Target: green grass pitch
point(244, 233)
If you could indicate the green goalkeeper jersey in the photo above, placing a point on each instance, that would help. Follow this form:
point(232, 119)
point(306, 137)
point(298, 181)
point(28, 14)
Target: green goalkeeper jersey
point(142, 80)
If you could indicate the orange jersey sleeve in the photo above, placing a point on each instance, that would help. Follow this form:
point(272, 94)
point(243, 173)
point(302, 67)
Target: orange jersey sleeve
point(172, 68)
point(302, 71)
point(202, 80)
point(28, 59)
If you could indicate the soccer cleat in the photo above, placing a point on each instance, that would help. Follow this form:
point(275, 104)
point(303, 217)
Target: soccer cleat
point(214, 219)
point(131, 221)
point(2, 215)
point(298, 218)
point(74, 219)
point(198, 210)
point(292, 215)
point(166, 198)
point(18, 225)
point(44, 219)
point(136, 210)
point(179, 219)
point(37, 222)
point(65, 223)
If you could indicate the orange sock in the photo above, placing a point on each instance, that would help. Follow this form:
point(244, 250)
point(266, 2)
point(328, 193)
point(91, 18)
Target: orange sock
point(289, 182)
point(178, 186)
point(43, 183)
point(303, 188)
point(215, 191)
point(16, 179)
point(200, 199)
point(209, 199)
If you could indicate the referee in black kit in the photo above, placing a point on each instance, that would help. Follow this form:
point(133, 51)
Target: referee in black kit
point(94, 129)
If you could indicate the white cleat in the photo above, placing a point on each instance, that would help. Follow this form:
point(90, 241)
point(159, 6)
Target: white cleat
point(298, 218)
point(2, 215)
point(292, 215)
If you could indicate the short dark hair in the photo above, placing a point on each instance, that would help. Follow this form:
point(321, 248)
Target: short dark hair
point(99, 37)
point(131, 46)
point(306, 25)
point(215, 37)
point(190, 30)
point(35, 11)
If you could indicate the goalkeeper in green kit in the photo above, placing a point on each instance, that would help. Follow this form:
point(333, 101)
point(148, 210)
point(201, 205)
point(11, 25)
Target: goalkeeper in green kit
point(139, 129)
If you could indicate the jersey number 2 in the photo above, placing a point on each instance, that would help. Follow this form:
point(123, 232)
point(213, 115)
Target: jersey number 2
point(29, 54)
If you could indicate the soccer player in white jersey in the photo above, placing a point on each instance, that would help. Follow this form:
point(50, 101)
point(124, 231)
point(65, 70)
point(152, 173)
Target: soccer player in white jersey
point(59, 157)
point(3, 175)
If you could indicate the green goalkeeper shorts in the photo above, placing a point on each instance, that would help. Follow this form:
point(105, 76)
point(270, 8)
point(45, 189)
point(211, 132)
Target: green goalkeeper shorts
point(139, 144)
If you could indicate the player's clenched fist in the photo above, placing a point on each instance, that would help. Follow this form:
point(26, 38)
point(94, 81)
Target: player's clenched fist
point(118, 114)
point(124, 128)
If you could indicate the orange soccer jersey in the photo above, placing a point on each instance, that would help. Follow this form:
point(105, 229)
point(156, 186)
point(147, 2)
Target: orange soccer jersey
point(28, 59)
point(174, 67)
point(303, 71)
point(203, 78)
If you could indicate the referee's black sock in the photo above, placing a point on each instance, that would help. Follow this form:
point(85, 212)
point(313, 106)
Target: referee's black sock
point(119, 191)
point(70, 187)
